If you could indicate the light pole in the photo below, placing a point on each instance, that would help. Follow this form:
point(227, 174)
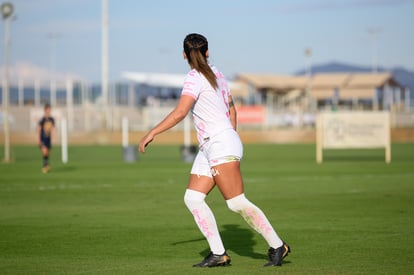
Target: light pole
point(105, 62)
point(308, 54)
point(6, 12)
point(374, 32)
point(53, 36)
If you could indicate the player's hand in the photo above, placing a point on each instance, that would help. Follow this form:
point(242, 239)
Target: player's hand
point(145, 141)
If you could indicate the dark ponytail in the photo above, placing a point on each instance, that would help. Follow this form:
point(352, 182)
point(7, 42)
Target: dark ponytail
point(195, 48)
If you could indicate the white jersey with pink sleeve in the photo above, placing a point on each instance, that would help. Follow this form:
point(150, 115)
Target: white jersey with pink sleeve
point(211, 108)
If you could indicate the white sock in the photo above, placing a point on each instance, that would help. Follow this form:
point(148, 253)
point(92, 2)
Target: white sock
point(204, 219)
point(255, 218)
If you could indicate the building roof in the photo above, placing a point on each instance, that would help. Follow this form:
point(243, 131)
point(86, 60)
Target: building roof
point(370, 80)
point(156, 79)
point(239, 89)
point(320, 81)
point(322, 85)
point(334, 80)
point(274, 82)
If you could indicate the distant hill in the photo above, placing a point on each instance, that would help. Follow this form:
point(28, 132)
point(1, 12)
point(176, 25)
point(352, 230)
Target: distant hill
point(401, 75)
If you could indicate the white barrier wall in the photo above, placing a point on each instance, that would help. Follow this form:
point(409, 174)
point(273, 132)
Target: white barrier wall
point(348, 130)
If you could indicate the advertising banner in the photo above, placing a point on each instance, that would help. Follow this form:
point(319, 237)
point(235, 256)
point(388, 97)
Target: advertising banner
point(251, 114)
point(346, 130)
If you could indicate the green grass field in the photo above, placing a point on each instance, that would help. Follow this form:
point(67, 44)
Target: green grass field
point(98, 215)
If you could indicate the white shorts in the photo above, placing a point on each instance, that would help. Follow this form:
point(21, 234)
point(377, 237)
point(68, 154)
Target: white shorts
point(222, 148)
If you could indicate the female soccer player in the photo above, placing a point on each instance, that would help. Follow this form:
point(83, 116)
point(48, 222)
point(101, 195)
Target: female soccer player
point(44, 132)
point(206, 94)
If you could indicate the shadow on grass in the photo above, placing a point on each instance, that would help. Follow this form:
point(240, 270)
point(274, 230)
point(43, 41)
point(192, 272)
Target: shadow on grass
point(238, 240)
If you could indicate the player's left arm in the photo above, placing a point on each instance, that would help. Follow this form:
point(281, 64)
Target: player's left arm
point(38, 130)
point(53, 130)
point(233, 113)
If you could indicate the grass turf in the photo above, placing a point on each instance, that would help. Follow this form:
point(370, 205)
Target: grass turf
point(97, 215)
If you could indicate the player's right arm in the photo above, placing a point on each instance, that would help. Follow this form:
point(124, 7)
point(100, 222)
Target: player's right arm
point(178, 114)
point(38, 130)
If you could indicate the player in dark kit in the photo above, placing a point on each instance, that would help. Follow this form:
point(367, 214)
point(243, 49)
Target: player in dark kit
point(44, 132)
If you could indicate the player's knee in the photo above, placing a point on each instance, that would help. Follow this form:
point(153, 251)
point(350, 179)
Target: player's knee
point(192, 197)
point(238, 203)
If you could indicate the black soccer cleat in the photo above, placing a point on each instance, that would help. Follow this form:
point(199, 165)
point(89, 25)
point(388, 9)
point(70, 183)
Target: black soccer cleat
point(277, 255)
point(213, 260)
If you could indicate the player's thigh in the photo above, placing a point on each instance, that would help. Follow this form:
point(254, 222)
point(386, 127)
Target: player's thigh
point(201, 179)
point(228, 179)
point(203, 184)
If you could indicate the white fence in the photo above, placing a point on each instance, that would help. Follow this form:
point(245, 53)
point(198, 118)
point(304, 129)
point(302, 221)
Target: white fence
point(82, 106)
point(89, 118)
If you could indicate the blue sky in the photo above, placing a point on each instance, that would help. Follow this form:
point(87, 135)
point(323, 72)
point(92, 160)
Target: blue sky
point(245, 36)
